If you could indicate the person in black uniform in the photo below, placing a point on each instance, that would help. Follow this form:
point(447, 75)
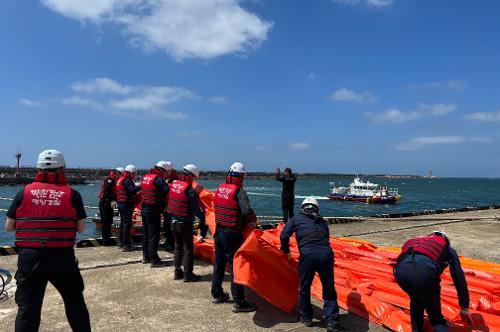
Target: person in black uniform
point(316, 255)
point(183, 206)
point(420, 264)
point(126, 196)
point(232, 214)
point(287, 195)
point(106, 196)
point(154, 189)
point(46, 215)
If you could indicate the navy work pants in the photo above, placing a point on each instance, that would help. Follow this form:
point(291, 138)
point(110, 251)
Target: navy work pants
point(106, 213)
point(37, 267)
point(227, 242)
point(151, 222)
point(420, 279)
point(287, 205)
point(169, 236)
point(126, 211)
point(308, 266)
point(183, 253)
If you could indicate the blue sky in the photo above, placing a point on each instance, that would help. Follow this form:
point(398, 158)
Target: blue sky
point(377, 86)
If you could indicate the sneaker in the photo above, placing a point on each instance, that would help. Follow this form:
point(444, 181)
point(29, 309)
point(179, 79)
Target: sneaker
point(191, 278)
point(146, 261)
point(128, 248)
point(178, 275)
point(221, 299)
point(335, 328)
point(306, 321)
point(158, 263)
point(244, 306)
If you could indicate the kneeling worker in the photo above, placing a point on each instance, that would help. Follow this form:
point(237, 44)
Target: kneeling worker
point(316, 255)
point(154, 188)
point(232, 214)
point(46, 215)
point(418, 271)
point(182, 207)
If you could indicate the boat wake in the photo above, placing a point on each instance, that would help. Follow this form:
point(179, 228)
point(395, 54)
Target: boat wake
point(317, 197)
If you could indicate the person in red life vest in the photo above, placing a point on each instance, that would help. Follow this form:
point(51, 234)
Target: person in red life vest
point(232, 213)
point(182, 207)
point(154, 188)
point(126, 197)
point(418, 271)
point(46, 215)
point(167, 223)
point(107, 195)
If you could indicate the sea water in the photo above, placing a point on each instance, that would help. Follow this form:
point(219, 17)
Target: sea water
point(265, 196)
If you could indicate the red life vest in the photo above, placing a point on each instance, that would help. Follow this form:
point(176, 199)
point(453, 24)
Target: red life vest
point(148, 187)
point(111, 176)
point(227, 212)
point(121, 193)
point(177, 198)
point(46, 217)
point(173, 176)
point(431, 246)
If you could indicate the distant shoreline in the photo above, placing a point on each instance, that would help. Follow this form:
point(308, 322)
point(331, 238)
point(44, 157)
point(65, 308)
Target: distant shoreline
point(85, 175)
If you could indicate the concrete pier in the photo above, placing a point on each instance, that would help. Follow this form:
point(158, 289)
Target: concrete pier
point(124, 295)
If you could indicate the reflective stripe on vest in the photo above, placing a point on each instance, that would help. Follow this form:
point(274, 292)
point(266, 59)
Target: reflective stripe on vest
point(46, 217)
point(431, 246)
point(177, 199)
point(227, 212)
point(148, 188)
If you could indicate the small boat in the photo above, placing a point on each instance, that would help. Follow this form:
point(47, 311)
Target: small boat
point(135, 230)
point(364, 192)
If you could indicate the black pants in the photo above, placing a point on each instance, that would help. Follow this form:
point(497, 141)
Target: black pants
point(308, 266)
point(36, 267)
point(169, 236)
point(183, 235)
point(420, 280)
point(126, 211)
point(151, 221)
point(106, 213)
point(287, 205)
point(227, 242)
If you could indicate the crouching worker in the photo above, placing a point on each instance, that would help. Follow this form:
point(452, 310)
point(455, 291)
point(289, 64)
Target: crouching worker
point(418, 271)
point(232, 214)
point(46, 215)
point(316, 255)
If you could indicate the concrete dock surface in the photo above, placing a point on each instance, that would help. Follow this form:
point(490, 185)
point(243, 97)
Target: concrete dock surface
point(124, 295)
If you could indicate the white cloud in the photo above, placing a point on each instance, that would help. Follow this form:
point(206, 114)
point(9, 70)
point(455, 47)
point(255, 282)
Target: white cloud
point(312, 76)
point(218, 100)
point(372, 3)
point(184, 29)
point(420, 142)
point(30, 103)
point(344, 94)
point(393, 115)
point(101, 85)
point(188, 133)
point(453, 85)
point(485, 116)
point(300, 146)
point(438, 109)
point(137, 101)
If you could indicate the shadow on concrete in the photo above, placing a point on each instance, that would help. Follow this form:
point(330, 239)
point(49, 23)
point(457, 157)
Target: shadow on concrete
point(267, 315)
point(357, 319)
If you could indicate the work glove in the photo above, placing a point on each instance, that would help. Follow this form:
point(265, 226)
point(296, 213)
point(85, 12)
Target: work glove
point(200, 239)
point(465, 315)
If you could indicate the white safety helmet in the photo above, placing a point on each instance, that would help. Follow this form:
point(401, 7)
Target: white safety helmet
point(50, 159)
point(310, 202)
point(130, 169)
point(164, 165)
point(192, 169)
point(237, 167)
point(120, 169)
point(442, 234)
